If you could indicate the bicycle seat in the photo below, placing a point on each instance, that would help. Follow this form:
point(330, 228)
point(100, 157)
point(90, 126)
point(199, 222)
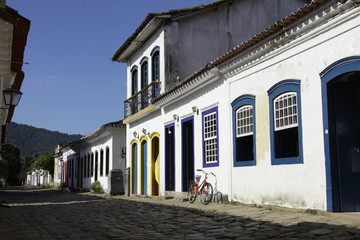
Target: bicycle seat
point(197, 177)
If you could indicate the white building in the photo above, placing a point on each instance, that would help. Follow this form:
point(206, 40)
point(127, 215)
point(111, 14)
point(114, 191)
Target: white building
point(276, 118)
point(94, 158)
point(38, 178)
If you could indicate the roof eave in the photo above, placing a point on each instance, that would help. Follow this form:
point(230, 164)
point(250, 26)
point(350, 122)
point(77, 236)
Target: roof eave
point(139, 38)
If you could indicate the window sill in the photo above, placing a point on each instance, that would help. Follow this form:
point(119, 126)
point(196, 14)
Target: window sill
point(245, 163)
point(290, 160)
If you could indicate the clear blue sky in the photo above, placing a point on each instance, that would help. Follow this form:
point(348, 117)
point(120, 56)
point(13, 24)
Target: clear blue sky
point(71, 85)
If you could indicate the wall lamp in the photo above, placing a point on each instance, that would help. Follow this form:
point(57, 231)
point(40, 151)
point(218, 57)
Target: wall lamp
point(11, 97)
point(176, 117)
point(136, 135)
point(144, 132)
point(195, 110)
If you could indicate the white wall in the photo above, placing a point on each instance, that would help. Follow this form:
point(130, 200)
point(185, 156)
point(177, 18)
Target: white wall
point(115, 141)
point(296, 185)
point(156, 40)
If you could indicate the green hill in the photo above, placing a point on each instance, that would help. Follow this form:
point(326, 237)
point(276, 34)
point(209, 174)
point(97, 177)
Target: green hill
point(31, 140)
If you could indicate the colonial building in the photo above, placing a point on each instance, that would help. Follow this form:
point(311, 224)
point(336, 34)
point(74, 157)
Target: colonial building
point(93, 158)
point(14, 30)
point(164, 50)
point(275, 118)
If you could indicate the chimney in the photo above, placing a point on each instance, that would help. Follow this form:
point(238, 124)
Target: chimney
point(2, 4)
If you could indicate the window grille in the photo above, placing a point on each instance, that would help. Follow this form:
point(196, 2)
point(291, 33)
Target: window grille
point(244, 121)
point(210, 137)
point(285, 111)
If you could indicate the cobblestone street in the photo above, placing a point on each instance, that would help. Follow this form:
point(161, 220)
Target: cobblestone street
point(29, 213)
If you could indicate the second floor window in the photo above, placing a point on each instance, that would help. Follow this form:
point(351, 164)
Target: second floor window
point(144, 74)
point(155, 65)
point(134, 81)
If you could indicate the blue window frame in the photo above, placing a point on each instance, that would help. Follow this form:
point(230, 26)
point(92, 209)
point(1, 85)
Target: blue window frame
point(244, 131)
point(210, 136)
point(144, 72)
point(107, 161)
point(155, 64)
point(285, 123)
point(101, 162)
point(134, 80)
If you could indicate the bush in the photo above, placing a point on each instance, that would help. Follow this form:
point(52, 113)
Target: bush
point(62, 185)
point(96, 187)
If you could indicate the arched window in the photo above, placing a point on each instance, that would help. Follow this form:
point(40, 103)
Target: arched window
point(144, 72)
point(155, 64)
point(101, 162)
point(285, 122)
point(244, 139)
point(85, 166)
point(134, 80)
point(107, 159)
point(89, 165)
point(92, 164)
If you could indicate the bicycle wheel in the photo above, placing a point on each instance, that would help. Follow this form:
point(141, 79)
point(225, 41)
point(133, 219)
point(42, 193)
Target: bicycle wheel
point(206, 193)
point(192, 192)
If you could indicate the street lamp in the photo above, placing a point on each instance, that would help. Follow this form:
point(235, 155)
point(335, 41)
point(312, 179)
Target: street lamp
point(12, 96)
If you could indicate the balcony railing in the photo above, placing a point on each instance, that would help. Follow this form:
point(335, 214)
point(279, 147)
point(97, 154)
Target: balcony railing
point(141, 99)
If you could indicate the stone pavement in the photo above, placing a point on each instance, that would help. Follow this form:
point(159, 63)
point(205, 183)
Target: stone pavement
point(29, 213)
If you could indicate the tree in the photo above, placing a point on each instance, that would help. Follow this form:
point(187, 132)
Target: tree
point(26, 166)
point(10, 164)
point(45, 162)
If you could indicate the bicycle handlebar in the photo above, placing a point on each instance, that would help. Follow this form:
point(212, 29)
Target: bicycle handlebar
point(210, 173)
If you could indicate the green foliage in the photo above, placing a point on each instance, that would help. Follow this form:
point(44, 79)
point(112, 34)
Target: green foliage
point(44, 162)
point(10, 163)
point(96, 187)
point(26, 166)
point(31, 140)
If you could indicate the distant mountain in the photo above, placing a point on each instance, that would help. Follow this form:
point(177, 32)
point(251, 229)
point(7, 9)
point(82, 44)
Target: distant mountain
point(31, 140)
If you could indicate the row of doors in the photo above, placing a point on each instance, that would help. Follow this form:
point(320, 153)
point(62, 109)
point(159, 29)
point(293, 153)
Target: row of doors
point(187, 169)
point(142, 165)
point(187, 161)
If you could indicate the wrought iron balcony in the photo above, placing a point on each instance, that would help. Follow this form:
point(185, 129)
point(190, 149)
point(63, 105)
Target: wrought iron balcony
point(141, 99)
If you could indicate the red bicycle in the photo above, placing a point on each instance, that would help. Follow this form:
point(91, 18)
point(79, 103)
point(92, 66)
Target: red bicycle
point(204, 189)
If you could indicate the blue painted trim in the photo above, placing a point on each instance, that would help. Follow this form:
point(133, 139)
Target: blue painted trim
point(214, 109)
point(236, 104)
point(182, 157)
point(153, 52)
point(135, 168)
point(166, 149)
point(345, 65)
point(155, 49)
point(242, 97)
point(144, 81)
point(144, 59)
point(133, 90)
point(290, 85)
point(144, 164)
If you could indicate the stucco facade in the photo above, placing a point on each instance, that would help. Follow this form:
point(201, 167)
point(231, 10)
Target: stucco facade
point(263, 117)
point(93, 157)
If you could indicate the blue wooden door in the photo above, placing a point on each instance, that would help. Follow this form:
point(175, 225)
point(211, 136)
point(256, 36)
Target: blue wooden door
point(170, 157)
point(344, 126)
point(134, 168)
point(144, 171)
